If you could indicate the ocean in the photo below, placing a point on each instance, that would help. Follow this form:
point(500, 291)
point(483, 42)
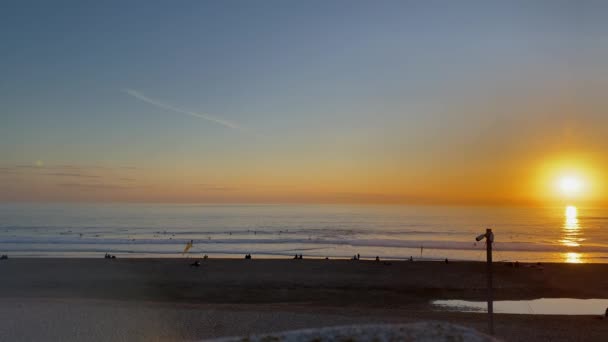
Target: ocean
point(561, 234)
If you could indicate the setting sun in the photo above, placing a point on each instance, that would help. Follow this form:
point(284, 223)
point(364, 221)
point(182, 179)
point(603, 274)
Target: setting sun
point(568, 178)
point(570, 185)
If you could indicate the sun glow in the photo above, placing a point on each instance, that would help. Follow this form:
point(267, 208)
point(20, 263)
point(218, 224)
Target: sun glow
point(570, 181)
point(570, 185)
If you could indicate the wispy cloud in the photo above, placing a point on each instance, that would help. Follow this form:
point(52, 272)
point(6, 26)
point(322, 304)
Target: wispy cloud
point(97, 186)
point(67, 174)
point(63, 167)
point(212, 187)
point(140, 96)
point(27, 167)
point(7, 171)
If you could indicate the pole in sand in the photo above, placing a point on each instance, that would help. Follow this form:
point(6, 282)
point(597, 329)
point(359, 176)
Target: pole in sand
point(489, 236)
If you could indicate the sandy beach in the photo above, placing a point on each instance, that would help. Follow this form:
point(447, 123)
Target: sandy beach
point(167, 299)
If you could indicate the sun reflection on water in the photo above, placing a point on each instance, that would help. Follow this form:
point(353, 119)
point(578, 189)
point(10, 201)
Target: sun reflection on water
point(573, 258)
point(571, 234)
point(571, 217)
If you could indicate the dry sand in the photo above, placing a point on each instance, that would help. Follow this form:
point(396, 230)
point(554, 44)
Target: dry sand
point(166, 299)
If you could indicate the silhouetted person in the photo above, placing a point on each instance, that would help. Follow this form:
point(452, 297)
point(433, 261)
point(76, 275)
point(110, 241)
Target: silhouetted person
point(109, 256)
point(411, 258)
point(606, 314)
point(358, 256)
point(295, 257)
point(377, 258)
point(446, 261)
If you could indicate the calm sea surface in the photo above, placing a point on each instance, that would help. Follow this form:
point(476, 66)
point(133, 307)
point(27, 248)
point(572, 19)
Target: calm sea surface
point(566, 234)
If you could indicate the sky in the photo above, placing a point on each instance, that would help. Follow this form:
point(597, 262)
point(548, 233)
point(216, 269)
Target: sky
point(422, 102)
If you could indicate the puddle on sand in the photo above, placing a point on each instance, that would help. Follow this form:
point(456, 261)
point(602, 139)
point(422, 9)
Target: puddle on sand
point(543, 306)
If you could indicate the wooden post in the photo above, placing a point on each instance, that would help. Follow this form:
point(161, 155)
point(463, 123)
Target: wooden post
point(489, 240)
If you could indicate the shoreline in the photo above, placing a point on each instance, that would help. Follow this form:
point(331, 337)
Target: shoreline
point(580, 259)
point(274, 257)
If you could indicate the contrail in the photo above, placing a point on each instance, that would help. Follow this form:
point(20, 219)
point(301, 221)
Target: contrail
point(140, 96)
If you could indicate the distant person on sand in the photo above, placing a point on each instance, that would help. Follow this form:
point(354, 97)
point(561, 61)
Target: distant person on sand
point(109, 256)
point(377, 258)
point(446, 261)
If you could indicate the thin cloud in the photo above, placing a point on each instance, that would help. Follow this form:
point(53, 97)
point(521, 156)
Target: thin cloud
point(65, 168)
point(66, 174)
point(97, 186)
point(27, 167)
point(212, 187)
point(140, 96)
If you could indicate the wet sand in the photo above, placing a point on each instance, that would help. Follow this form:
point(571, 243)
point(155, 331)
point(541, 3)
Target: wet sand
point(166, 299)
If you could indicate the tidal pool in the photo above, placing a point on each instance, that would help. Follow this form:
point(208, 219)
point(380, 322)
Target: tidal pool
point(542, 306)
